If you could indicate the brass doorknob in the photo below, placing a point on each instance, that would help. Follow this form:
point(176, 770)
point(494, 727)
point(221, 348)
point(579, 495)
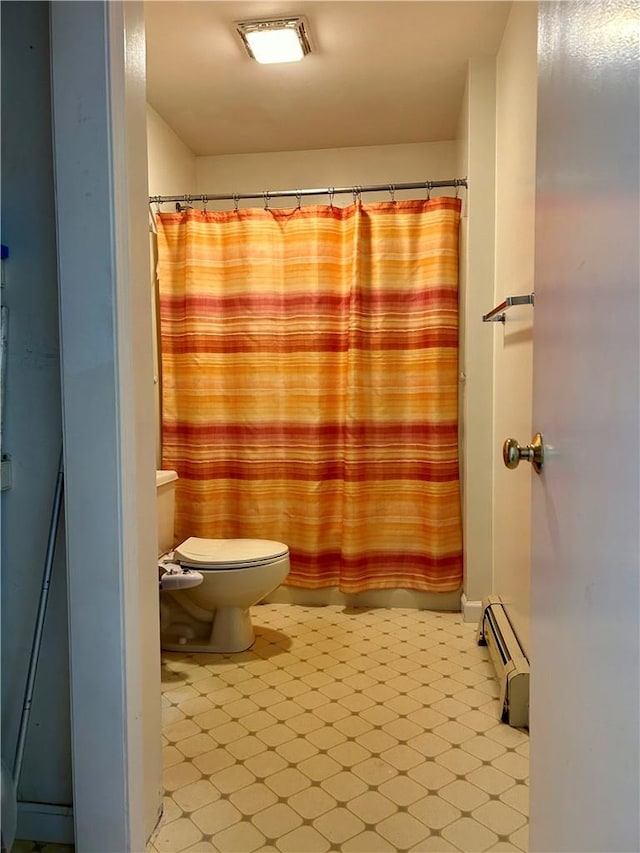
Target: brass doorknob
point(512, 452)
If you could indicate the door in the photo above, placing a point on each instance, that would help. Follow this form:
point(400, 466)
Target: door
point(585, 514)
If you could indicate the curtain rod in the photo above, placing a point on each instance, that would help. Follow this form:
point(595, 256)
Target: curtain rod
point(267, 195)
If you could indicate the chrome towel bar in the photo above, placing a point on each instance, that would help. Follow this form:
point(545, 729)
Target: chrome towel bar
point(497, 314)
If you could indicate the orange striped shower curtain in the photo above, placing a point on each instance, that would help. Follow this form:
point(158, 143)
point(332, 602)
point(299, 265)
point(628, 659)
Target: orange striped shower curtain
point(309, 386)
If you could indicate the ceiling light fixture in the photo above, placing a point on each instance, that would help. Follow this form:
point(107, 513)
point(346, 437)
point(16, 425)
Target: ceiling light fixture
point(282, 40)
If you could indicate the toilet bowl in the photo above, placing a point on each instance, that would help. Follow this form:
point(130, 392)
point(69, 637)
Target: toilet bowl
point(214, 616)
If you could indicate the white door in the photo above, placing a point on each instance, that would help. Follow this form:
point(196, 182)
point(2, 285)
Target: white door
point(585, 717)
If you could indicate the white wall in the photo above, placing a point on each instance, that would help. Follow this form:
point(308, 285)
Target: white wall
point(376, 164)
point(32, 423)
point(516, 91)
point(496, 148)
point(172, 166)
point(476, 155)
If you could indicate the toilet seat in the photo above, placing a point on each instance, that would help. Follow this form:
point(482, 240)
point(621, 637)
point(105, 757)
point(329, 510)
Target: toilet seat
point(226, 554)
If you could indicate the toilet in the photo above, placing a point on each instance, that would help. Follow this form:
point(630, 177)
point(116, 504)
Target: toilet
point(212, 616)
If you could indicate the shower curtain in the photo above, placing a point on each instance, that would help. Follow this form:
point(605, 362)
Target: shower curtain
point(309, 386)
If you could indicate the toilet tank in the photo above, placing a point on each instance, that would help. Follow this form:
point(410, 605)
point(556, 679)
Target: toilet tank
point(166, 495)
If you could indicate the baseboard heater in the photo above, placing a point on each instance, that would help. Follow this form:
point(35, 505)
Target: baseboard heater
point(511, 665)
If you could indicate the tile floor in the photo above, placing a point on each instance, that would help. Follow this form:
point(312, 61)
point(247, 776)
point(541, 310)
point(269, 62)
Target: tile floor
point(342, 730)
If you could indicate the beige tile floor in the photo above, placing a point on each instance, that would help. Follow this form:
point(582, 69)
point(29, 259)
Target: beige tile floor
point(342, 730)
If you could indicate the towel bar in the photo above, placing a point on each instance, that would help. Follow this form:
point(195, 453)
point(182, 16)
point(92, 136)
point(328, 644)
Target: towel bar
point(497, 314)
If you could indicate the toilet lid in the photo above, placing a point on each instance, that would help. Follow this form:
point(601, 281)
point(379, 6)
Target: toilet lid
point(228, 553)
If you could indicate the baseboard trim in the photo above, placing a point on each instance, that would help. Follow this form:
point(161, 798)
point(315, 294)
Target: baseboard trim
point(44, 822)
point(471, 610)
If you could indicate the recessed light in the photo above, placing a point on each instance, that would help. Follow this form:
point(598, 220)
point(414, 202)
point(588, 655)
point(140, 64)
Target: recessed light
point(282, 40)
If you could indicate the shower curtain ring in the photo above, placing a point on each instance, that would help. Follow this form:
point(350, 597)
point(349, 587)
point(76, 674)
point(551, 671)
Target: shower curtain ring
point(266, 200)
point(205, 199)
point(299, 197)
point(236, 200)
point(428, 186)
point(457, 183)
point(357, 194)
point(332, 192)
point(392, 193)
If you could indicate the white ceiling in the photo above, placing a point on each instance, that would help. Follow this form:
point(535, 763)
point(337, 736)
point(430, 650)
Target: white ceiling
point(380, 72)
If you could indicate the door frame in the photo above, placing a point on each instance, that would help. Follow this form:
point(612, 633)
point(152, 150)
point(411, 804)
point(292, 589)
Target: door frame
point(98, 106)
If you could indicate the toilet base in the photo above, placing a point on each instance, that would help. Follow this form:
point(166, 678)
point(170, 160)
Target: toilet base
point(231, 632)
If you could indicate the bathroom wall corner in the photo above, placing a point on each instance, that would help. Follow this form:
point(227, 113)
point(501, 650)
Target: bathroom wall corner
point(476, 141)
point(471, 610)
